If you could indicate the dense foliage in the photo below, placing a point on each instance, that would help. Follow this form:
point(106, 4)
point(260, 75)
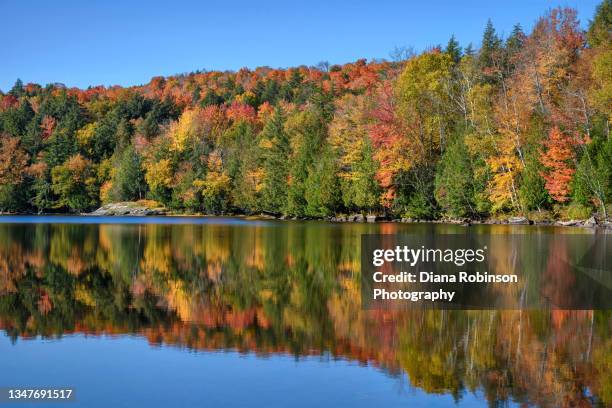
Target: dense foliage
point(519, 126)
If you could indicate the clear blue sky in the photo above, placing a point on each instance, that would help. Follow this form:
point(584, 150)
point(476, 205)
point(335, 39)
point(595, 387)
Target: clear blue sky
point(84, 42)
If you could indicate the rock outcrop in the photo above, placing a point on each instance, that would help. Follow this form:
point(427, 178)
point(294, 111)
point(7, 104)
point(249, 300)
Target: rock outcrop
point(130, 208)
point(518, 221)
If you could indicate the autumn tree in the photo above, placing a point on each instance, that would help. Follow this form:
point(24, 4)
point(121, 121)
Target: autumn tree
point(74, 183)
point(13, 163)
point(423, 100)
point(216, 188)
point(559, 166)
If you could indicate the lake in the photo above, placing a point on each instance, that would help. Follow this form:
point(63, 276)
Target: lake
point(213, 311)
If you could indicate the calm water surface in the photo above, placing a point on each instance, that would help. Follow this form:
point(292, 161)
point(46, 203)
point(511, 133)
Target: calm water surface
point(187, 311)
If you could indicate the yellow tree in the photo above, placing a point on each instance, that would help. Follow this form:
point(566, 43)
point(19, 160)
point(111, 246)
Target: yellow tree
point(216, 187)
point(505, 167)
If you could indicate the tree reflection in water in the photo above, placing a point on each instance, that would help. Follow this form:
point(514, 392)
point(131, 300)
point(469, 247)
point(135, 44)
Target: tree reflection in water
point(290, 288)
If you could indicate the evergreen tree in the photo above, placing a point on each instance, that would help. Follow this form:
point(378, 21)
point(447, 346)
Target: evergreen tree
point(310, 130)
point(453, 50)
point(41, 193)
point(15, 121)
point(516, 40)
point(593, 179)
point(243, 158)
point(489, 51)
point(469, 50)
point(599, 33)
point(270, 92)
point(17, 89)
point(513, 45)
point(276, 163)
point(60, 146)
point(365, 188)
point(323, 187)
point(129, 183)
point(532, 193)
point(454, 181)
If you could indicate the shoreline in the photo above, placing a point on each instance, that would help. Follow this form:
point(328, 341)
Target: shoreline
point(146, 208)
point(340, 219)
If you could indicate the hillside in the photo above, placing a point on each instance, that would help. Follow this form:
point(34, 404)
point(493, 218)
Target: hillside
point(518, 126)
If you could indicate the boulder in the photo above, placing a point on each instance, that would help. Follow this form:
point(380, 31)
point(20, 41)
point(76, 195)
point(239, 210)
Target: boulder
point(569, 223)
point(518, 221)
point(371, 218)
point(358, 218)
point(591, 222)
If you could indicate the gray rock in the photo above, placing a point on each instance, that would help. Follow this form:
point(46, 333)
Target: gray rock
point(371, 218)
point(591, 222)
point(569, 223)
point(358, 218)
point(518, 221)
point(127, 208)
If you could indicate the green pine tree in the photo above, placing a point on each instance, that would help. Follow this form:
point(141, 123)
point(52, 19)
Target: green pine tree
point(599, 33)
point(454, 183)
point(453, 49)
point(532, 192)
point(489, 50)
point(323, 187)
point(129, 183)
point(365, 188)
point(276, 164)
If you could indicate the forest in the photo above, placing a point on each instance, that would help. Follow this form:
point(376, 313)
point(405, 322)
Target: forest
point(511, 126)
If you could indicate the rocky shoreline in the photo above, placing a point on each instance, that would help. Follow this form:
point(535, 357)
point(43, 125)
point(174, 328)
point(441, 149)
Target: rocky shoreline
point(151, 208)
point(591, 222)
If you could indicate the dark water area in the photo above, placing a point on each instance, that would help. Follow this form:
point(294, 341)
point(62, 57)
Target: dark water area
point(204, 311)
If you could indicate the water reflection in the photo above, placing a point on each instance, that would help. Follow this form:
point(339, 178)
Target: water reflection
point(291, 288)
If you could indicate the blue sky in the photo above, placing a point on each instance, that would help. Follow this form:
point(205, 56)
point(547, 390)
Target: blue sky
point(82, 43)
